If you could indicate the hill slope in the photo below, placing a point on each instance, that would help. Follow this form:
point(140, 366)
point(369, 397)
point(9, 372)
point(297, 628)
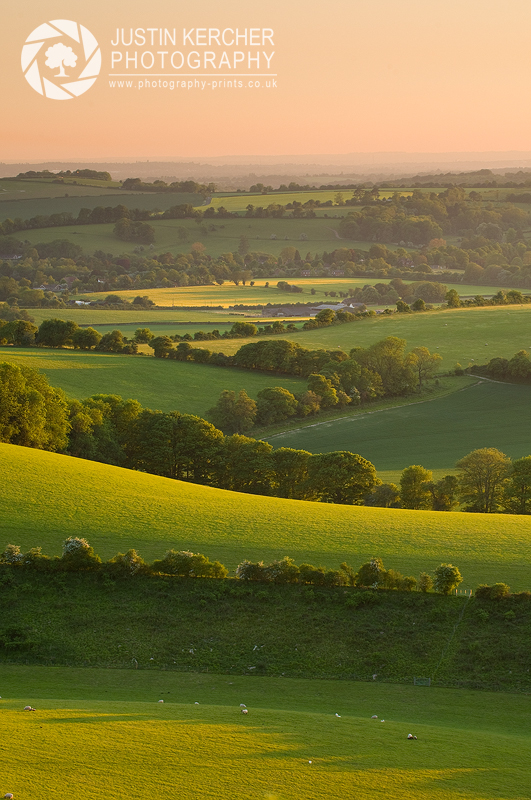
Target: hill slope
point(47, 497)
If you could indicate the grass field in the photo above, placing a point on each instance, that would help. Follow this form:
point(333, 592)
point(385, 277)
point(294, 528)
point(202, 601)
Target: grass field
point(230, 294)
point(122, 744)
point(24, 205)
point(155, 383)
point(468, 336)
point(143, 318)
point(49, 497)
point(434, 433)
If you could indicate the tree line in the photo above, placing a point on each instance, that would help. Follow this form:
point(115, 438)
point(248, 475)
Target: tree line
point(111, 430)
point(79, 556)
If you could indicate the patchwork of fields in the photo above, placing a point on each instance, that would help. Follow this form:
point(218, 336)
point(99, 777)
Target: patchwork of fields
point(102, 732)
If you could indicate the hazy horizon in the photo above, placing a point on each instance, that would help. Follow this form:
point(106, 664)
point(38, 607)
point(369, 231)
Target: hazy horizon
point(369, 80)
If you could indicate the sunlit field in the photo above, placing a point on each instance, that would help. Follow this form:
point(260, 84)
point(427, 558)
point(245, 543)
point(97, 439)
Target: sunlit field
point(100, 733)
point(49, 497)
point(155, 383)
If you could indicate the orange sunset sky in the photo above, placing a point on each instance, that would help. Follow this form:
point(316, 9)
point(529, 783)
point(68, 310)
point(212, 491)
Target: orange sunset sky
point(352, 76)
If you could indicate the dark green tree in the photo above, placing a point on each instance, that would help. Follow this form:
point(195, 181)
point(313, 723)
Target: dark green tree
point(482, 476)
point(32, 413)
point(340, 477)
point(517, 490)
point(233, 414)
point(415, 483)
point(274, 404)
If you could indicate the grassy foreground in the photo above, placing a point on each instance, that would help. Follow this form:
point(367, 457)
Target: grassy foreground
point(49, 497)
point(122, 744)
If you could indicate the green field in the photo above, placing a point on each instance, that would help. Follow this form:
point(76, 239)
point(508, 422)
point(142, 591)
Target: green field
point(49, 497)
point(155, 383)
point(229, 294)
point(96, 317)
point(434, 433)
point(66, 198)
point(468, 336)
point(121, 743)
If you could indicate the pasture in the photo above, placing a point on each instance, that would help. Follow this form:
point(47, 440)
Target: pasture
point(49, 497)
point(122, 743)
point(96, 317)
point(24, 204)
point(468, 336)
point(156, 383)
point(434, 433)
point(229, 294)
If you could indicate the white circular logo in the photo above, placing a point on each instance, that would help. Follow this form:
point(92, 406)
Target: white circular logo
point(61, 59)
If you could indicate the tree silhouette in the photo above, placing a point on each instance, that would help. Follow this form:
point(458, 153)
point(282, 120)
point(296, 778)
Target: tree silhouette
point(60, 56)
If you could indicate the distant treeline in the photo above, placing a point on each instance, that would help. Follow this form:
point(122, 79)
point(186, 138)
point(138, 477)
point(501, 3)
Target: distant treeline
point(92, 174)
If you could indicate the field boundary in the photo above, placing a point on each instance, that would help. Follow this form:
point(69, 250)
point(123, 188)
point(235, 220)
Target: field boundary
point(366, 413)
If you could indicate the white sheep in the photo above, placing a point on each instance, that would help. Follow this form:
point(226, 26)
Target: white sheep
point(242, 705)
point(374, 716)
point(8, 796)
point(161, 701)
point(245, 711)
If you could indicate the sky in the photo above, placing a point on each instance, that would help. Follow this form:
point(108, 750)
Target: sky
point(344, 76)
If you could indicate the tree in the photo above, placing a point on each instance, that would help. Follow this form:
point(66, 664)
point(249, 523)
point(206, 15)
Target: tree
point(246, 466)
point(60, 56)
point(56, 333)
point(233, 414)
point(32, 414)
point(340, 477)
point(452, 299)
point(274, 404)
point(447, 578)
point(291, 472)
point(162, 346)
point(444, 493)
point(424, 363)
point(517, 492)
point(386, 495)
point(323, 388)
point(386, 358)
point(482, 477)
point(180, 446)
point(415, 483)
point(143, 335)
point(425, 582)
point(86, 338)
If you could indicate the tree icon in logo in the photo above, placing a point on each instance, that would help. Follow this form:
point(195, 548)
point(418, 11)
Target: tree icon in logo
point(73, 47)
point(59, 57)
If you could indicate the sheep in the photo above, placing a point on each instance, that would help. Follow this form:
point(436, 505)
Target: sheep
point(374, 716)
point(245, 711)
point(8, 796)
point(242, 705)
point(29, 708)
point(161, 701)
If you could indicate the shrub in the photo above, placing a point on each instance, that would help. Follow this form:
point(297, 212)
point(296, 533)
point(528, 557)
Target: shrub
point(11, 555)
point(283, 571)
point(425, 582)
point(249, 571)
point(130, 563)
point(495, 592)
point(371, 573)
point(447, 578)
point(78, 555)
point(189, 565)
